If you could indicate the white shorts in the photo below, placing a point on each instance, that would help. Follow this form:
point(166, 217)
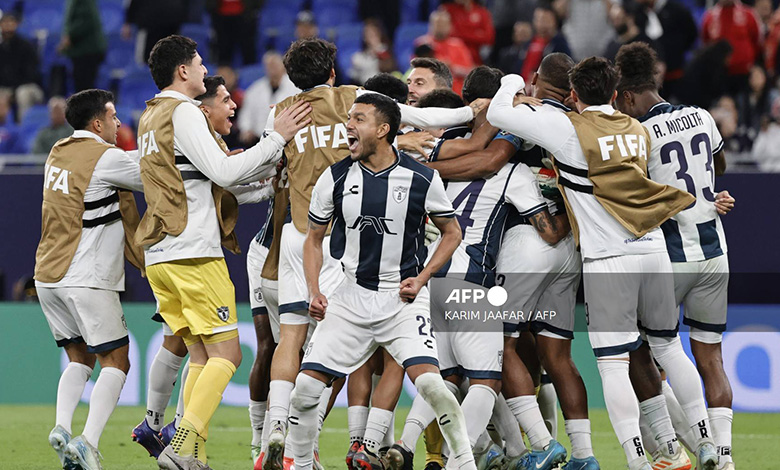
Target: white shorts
point(84, 315)
point(271, 296)
point(358, 321)
point(624, 293)
point(293, 291)
point(255, 259)
point(702, 289)
point(540, 277)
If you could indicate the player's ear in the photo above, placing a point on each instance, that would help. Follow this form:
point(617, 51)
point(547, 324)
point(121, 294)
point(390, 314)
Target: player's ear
point(574, 96)
point(534, 78)
point(614, 96)
point(382, 131)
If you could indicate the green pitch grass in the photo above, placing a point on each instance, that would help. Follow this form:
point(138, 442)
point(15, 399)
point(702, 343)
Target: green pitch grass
point(24, 431)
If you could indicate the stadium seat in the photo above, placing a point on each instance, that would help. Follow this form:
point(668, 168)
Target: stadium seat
point(404, 40)
point(200, 34)
point(410, 11)
point(344, 60)
point(249, 74)
point(281, 39)
point(112, 16)
point(133, 93)
point(349, 36)
point(120, 52)
point(35, 117)
point(334, 16)
point(41, 17)
point(275, 16)
point(319, 5)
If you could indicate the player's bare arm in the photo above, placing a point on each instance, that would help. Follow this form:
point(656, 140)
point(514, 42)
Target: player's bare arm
point(479, 164)
point(292, 119)
point(551, 229)
point(450, 239)
point(478, 141)
point(416, 142)
point(312, 264)
point(720, 163)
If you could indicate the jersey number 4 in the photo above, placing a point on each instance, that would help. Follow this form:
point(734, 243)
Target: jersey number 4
point(470, 194)
point(682, 174)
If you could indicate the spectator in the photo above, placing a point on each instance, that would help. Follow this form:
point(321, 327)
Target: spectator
point(233, 140)
point(736, 23)
point(726, 119)
point(753, 106)
point(546, 41)
point(511, 58)
point(629, 22)
point(154, 19)
point(472, 23)
point(376, 55)
point(763, 9)
point(586, 26)
point(766, 148)
point(671, 24)
point(8, 131)
point(235, 26)
point(705, 76)
point(57, 129)
point(263, 93)
point(506, 14)
point(83, 41)
point(450, 50)
point(18, 66)
point(305, 26)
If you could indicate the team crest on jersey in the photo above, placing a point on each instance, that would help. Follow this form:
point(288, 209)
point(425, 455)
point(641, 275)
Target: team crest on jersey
point(258, 294)
point(399, 193)
point(223, 313)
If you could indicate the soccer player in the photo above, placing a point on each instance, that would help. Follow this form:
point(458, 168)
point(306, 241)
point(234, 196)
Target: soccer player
point(377, 201)
point(184, 169)
point(79, 267)
point(686, 151)
point(310, 65)
point(600, 157)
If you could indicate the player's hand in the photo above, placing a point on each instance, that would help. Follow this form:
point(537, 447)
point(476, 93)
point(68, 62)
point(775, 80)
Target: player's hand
point(230, 153)
point(478, 105)
point(318, 306)
point(724, 202)
point(513, 80)
point(416, 142)
point(523, 99)
point(291, 120)
point(410, 287)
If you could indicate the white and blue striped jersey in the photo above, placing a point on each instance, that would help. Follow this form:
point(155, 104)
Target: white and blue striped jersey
point(684, 140)
point(481, 207)
point(379, 218)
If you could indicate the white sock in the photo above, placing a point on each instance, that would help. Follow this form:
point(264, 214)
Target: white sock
point(303, 419)
point(376, 428)
point(257, 411)
point(578, 431)
point(266, 431)
point(660, 424)
point(72, 382)
point(180, 402)
point(508, 428)
point(679, 420)
point(685, 381)
point(720, 420)
point(651, 445)
point(548, 405)
point(104, 397)
point(357, 416)
point(477, 409)
point(419, 417)
point(162, 377)
point(322, 411)
point(449, 416)
point(279, 392)
point(622, 407)
point(526, 411)
point(389, 439)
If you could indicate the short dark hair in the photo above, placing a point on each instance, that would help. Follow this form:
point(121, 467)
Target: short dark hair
point(554, 69)
point(309, 62)
point(636, 63)
point(212, 82)
point(167, 55)
point(595, 80)
point(385, 108)
point(389, 85)
point(441, 73)
point(482, 82)
point(82, 107)
point(441, 98)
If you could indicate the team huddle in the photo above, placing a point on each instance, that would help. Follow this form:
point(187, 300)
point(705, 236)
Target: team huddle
point(384, 199)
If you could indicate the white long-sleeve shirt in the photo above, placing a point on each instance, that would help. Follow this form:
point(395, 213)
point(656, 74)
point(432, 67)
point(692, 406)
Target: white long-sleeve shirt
point(99, 261)
point(192, 139)
point(258, 99)
point(601, 235)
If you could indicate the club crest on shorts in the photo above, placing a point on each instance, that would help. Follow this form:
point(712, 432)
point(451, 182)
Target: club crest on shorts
point(258, 294)
point(399, 193)
point(223, 313)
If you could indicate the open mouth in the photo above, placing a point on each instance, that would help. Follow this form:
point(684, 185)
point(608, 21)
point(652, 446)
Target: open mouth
point(353, 142)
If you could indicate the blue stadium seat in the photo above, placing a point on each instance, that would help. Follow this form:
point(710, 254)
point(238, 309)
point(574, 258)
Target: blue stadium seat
point(277, 15)
point(404, 40)
point(200, 34)
point(281, 39)
point(249, 74)
point(133, 92)
point(120, 52)
point(112, 16)
point(410, 11)
point(127, 115)
point(349, 36)
point(110, 3)
point(335, 16)
point(35, 117)
point(9, 137)
point(41, 17)
point(325, 4)
point(344, 60)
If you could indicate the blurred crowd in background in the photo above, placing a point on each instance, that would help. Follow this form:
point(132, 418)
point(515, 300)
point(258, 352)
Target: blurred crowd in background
point(721, 55)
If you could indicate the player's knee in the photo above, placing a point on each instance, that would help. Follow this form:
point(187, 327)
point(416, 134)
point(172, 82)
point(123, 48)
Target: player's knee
point(493, 384)
point(664, 347)
point(432, 387)
point(706, 337)
point(175, 344)
point(307, 392)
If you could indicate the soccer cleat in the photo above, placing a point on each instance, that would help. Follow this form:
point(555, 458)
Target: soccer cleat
point(728, 466)
point(364, 459)
point(148, 438)
point(548, 458)
point(398, 458)
point(678, 461)
point(491, 459)
point(167, 432)
point(433, 465)
point(274, 457)
point(259, 462)
point(170, 460)
point(288, 463)
point(523, 461)
point(706, 457)
point(589, 463)
point(82, 453)
point(59, 439)
point(353, 449)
